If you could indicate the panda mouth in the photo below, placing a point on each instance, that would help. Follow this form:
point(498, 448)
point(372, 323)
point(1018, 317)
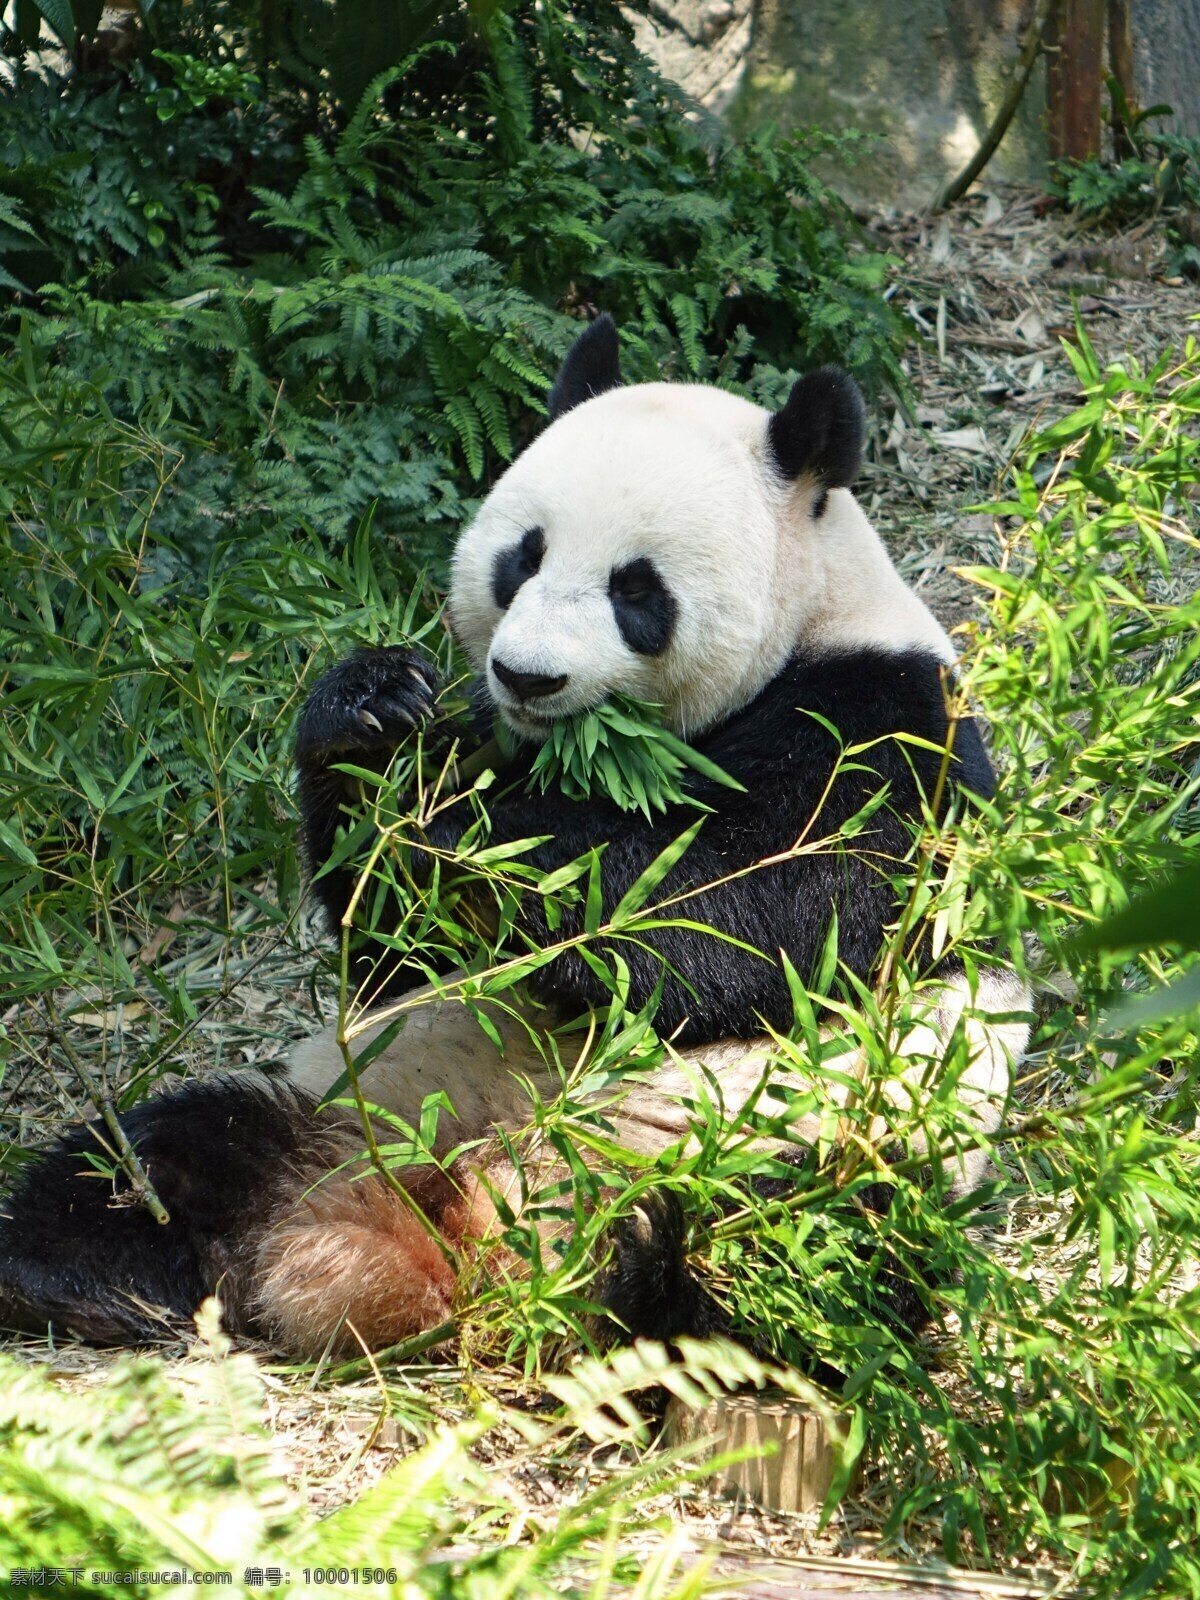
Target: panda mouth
point(536, 725)
point(533, 716)
point(531, 724)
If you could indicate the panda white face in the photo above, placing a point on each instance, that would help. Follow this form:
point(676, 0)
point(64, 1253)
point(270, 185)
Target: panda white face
point(632, 549)
point(676, 544)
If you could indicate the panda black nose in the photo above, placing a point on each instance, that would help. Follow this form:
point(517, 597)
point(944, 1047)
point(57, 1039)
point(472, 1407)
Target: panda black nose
point(528, 685)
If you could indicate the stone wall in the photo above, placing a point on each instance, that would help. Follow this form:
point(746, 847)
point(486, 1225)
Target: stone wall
point(702, 44)
point(925, 76)
point(1167, 58)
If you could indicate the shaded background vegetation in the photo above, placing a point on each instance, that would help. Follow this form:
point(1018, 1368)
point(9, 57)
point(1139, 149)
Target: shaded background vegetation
point(326, 301)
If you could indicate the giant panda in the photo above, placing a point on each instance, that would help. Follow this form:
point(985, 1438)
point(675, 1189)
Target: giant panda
point(669, 542)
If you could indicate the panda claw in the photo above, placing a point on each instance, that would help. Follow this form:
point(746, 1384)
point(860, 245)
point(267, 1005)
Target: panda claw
point(642, 1226)
point(393, 709)
point(372, 699)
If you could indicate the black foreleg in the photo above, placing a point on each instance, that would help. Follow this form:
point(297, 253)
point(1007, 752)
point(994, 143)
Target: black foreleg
point(900, 1297)
point(648, 1290)
point(358, 713)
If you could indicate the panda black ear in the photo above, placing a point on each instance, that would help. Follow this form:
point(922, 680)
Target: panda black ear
point(592, 366)
point(820, 429)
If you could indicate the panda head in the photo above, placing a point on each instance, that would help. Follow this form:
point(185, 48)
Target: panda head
point(669, 542)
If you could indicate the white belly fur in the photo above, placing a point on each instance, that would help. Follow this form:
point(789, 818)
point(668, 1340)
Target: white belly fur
point(442, 1048)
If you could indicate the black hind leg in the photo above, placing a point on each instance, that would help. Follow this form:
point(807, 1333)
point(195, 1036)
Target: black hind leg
point(897, 1296)
point(79, 1254)
point(647, 1289)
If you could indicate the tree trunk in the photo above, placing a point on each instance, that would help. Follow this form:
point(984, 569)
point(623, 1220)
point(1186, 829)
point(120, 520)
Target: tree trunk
point(1120, 64)
point(1075, 61)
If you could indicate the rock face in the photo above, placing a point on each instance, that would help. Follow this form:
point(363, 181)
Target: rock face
point(1166, 58)
point(925, 76)
point(701, 44)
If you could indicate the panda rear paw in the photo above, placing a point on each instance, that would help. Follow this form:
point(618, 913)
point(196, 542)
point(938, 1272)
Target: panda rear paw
point(647, 1289)
point(366, 704)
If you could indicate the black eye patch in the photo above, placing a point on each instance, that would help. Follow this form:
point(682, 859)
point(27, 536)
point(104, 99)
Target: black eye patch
point(516, 565)
point(643, 606)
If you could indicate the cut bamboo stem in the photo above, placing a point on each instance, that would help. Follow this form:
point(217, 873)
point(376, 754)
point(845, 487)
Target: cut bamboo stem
point(793, 1459)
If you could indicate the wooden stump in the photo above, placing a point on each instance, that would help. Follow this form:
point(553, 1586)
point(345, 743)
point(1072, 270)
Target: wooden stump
point(798, 1469)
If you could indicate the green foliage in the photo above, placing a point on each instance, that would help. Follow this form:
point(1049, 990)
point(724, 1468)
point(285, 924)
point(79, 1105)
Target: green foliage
point(111, 195)
point(1168, 914)
point(621, 750)
point(140, 1474)
point(1087, 671)
point(1149, 481)
point(16, 234)
point(358, 304)
point(145, 1473)
point(1090, 671)
point(198, 82)
point(1161, 173)
point(144, 731)
point(60, 15)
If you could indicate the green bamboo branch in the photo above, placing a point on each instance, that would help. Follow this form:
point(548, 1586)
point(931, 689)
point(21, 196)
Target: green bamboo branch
point(740, 1223)
point(124, 1153)
point(1031, 49)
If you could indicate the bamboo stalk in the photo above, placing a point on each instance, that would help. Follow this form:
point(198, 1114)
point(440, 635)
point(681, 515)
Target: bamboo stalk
point(396, 1353)
point(127, 1156)
point(739, 1223)
point(1076, 52)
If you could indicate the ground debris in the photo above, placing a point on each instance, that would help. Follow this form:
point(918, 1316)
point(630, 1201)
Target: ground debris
point(991, 288)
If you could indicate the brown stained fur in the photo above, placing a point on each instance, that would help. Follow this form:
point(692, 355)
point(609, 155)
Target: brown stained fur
point(352, 1263)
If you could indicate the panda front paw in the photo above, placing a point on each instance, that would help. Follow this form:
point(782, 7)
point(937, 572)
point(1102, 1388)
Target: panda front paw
point(647, 1288)
point(366, 705)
